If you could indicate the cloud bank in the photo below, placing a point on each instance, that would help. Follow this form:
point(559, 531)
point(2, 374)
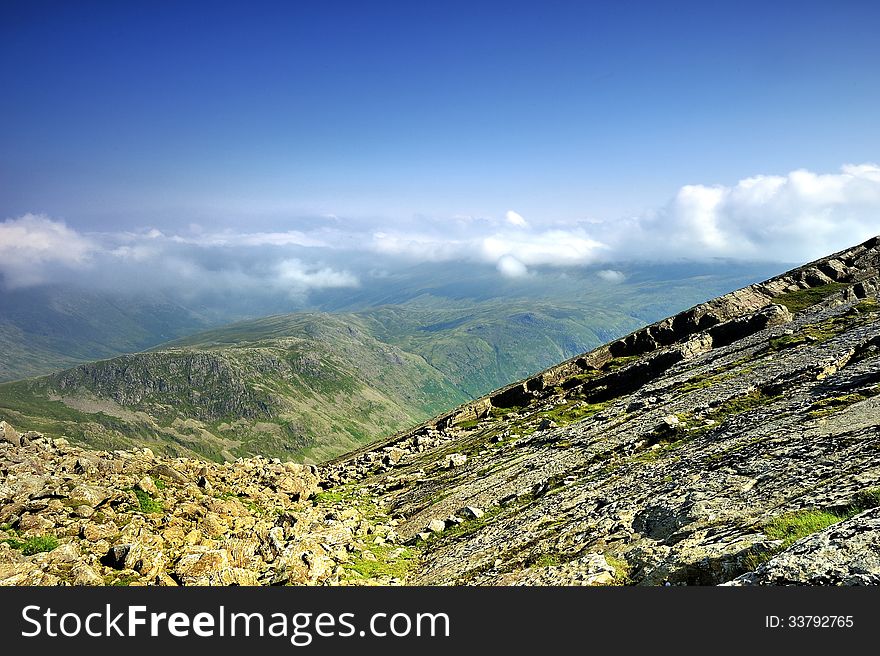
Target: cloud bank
point(35, 249)
point(780, 218)
point(791, 218)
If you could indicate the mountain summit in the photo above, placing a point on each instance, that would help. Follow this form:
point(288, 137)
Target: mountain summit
point(734, 443)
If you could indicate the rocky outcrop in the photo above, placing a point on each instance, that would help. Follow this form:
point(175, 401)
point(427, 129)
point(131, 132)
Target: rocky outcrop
point(847, 553)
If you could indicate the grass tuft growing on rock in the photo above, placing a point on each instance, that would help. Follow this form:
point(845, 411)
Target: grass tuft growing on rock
point(801, 299)
point(34, 545)
point(791, 527)
point(548, 560)
point(388, 561)
point(825, 407)
point(571, 412)
point(622, 570)
point(333, 495)
point(743, 403)
point(146, 503)
point(619, 362)
point(866, 499)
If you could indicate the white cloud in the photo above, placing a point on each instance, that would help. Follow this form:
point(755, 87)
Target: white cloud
point(792, 218)
point(511, 267)
point(549, 248)
point(233, 238)
point(515, 219)
point(610, 275)
point(33, 246)
point(296, 275)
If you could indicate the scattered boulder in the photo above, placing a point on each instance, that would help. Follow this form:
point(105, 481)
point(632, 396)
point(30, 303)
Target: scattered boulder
point(454, 460)
point(471, 512)
point(9, 434)
point(147, 485)
point(163, 470)
point(436, 526)
point(393, 456)
point(83, 575)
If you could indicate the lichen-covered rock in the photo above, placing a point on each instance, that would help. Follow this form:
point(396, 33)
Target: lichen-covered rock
point(70, 516)
point(9, 434)
point(847, 553)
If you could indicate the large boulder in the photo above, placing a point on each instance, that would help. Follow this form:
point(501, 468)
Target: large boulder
point(9, 434)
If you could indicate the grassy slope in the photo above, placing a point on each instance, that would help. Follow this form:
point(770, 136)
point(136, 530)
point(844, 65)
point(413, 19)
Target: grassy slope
point(312, 397)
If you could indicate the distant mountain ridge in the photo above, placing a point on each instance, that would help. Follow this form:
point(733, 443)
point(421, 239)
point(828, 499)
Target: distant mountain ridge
point(311, 386)
point(52, 327)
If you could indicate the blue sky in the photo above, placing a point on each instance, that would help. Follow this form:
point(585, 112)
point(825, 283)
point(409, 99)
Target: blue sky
point(402, 117)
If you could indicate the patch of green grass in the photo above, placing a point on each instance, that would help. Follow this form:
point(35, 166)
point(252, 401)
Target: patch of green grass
point(384, 565)
point(159, 483)
point(548, 560)
point(573, 411)
point(147, 503)
point(825, 407)
point(34, 545)
point(816, 333)
point(791, 527)
point(622, 572)
point(648, 455)
point(335, 495)
point(794, 526)
point(495, 413)
point(868, 306)
point(121, 581)
point(620, 362)
point(578, 380)
point(466, 425)
point(743, 403)
point(704, 381)
point(865, 500)
point(801, 299)
point(789, 341)
point(698, 382)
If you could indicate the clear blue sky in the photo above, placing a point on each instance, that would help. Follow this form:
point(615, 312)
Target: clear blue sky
point(123, 113)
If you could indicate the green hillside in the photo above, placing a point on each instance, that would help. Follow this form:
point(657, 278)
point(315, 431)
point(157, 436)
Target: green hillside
point(321, 393)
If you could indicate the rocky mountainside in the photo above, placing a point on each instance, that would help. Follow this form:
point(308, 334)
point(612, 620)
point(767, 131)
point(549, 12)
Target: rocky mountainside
point(736, 442)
